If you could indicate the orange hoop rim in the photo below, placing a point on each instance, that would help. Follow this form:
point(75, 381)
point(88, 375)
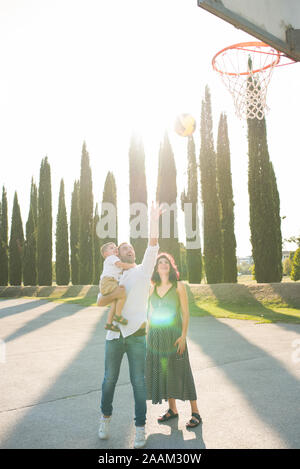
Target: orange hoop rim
point(242, 46)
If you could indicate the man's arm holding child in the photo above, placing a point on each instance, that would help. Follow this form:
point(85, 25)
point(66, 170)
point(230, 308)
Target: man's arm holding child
point(118, 294)
point(124, 265)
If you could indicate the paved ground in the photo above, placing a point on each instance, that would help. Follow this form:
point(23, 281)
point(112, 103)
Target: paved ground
point(247, 377)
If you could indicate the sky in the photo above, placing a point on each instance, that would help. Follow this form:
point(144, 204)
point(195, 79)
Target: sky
point(99, 71)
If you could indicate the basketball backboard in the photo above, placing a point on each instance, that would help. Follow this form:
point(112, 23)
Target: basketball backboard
point(275, 22)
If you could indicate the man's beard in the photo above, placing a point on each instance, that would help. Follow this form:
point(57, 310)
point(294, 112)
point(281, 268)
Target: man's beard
point(128, 259)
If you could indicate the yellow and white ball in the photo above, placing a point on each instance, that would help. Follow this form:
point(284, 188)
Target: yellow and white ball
point(185, 125)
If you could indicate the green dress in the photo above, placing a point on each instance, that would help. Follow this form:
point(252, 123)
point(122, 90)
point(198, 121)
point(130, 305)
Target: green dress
point(168, 375)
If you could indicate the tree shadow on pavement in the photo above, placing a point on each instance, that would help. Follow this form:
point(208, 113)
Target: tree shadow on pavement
point(67, 414)
point(271, 391)
point(18, 308)
point(64, 414)
point(56, 313)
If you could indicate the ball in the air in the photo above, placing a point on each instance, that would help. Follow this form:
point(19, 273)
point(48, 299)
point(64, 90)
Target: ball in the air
point(185, 125)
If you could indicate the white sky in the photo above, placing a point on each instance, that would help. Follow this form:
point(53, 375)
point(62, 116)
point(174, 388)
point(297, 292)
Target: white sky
point(95, 70)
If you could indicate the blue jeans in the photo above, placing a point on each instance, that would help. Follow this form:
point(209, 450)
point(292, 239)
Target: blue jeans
point(135, 348)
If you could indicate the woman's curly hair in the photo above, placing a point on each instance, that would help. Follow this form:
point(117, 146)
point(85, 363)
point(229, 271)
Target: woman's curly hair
point(173, 274)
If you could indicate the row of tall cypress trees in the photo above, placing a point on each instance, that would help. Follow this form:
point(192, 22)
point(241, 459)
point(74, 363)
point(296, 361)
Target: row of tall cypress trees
point(30, 257)
point(217, 197)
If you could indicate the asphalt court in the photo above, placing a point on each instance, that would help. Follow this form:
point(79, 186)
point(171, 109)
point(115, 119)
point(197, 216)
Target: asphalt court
point(51, 369)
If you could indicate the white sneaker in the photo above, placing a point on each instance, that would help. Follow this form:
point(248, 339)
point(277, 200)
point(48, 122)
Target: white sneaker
point(140, 437)
point(104, 428)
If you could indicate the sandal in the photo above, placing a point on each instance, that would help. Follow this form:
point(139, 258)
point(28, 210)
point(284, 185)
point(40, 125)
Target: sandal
point(111, 327)
point(121, 320)
point(194, 421)
point(165, 417)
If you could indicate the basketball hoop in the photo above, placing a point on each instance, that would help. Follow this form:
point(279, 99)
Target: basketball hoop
point(246, 69)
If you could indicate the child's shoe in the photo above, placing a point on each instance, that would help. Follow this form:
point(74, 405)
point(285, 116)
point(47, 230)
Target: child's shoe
point(121, 320)
point(112, 327)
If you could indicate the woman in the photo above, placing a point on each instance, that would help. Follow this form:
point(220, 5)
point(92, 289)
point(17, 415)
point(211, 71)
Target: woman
point(168, 371)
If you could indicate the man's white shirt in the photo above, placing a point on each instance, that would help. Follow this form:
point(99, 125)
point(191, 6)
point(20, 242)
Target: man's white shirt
point(137, 283)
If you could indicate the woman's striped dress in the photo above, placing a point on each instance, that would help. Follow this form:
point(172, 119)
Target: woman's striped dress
point(168, 375)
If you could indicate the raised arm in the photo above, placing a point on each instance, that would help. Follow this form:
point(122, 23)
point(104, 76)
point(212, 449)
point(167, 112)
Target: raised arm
point(150, 255)
point(154, 223)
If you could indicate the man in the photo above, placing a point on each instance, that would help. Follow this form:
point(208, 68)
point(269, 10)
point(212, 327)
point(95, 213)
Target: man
point(131, 340)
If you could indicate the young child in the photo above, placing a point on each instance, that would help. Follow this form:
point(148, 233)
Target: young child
point(109, 280)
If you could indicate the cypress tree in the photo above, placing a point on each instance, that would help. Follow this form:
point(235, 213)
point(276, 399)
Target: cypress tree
point(96, 244)
point(86, 220)
point(166, 193)
point(34, 201)
point(264, 206)
point(138, 194)
point(16, 245)
point(74, 234)
point(295, 273)
point(109, 226)
point(193, 254)
point(264, 199)
point(62, 265)
point(30, 246)
point(276, 200)
point(29, 270)
point(224, 185)
point(44, 226)
point(213, 254)
point(4, 240)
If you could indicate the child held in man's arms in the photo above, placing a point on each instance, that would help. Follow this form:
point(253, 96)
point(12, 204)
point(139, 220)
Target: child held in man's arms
point(109, 280)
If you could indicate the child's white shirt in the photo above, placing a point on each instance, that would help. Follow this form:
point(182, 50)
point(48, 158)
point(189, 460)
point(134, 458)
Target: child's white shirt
point(136, 282)
point(110, 269)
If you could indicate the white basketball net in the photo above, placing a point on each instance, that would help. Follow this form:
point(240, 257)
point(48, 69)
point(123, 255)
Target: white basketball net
point(246, 71)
